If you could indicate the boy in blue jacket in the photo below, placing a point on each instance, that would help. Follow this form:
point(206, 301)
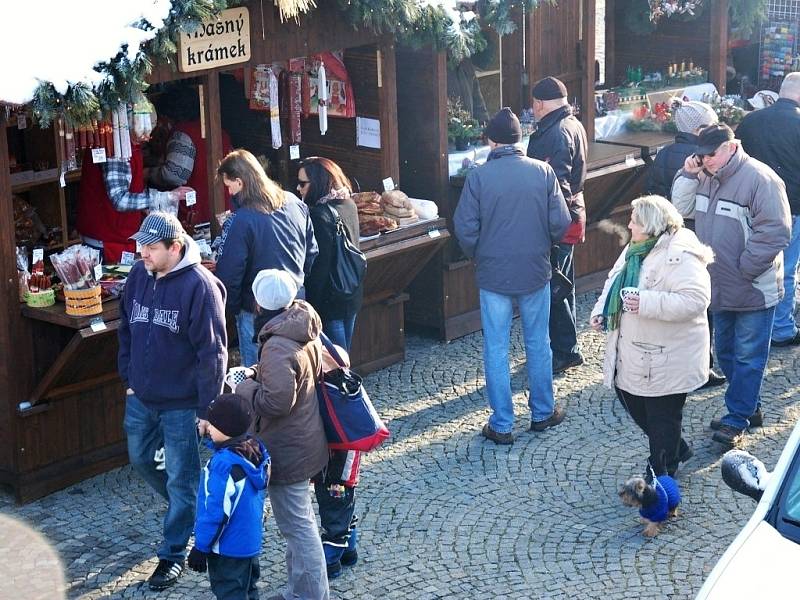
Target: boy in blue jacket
point(230, 502)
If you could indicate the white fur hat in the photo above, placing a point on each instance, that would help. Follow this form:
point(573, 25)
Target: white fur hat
point(274, 289)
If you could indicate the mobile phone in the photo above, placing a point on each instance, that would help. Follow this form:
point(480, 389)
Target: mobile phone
point(698, 161)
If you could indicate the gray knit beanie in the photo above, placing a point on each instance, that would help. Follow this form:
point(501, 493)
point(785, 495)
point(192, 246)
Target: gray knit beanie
point(689, 115)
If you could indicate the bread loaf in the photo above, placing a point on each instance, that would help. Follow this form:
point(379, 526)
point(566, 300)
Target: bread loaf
point(370, 225)
point(395, 198)
point(395, 212)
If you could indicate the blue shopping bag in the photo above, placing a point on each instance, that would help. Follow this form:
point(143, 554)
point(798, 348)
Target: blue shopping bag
point(351, 422)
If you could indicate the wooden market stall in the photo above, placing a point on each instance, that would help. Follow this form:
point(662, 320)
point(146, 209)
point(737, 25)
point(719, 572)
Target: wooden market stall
point(558, 41)
point(63, 404)
point(700, 43)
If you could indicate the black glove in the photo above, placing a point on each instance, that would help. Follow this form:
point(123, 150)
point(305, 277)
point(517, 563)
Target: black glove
point(197, 560)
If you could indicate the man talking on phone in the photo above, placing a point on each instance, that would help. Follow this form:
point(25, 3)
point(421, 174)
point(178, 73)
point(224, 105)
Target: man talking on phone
point(740, 209)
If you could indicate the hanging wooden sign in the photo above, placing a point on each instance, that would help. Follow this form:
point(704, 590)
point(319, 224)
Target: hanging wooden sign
point(219, 41)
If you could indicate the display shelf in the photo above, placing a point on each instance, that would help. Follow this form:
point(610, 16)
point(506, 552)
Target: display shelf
point(55, 314)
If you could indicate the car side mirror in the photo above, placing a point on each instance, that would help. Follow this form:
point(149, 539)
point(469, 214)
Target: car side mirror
point(744, 473)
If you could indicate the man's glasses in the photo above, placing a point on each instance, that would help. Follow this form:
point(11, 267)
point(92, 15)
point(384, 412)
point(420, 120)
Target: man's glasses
point(709, 155)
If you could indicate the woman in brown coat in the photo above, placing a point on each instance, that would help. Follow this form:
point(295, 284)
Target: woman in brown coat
point(288, 422)
point(653, 306)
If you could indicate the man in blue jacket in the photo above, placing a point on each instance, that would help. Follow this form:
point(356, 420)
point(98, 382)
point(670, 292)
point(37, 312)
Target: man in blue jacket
point(172, 359)
point(510, 213)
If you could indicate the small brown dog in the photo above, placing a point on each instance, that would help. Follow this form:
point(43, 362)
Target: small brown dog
point(656, 502)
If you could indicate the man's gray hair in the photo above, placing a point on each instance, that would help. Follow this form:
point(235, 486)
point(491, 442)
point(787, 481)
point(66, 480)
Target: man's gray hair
point(790, 88)
point(655, 214)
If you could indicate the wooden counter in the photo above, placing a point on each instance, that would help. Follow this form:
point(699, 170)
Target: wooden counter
point(55, 314)
point(444, 296)
point(649, 142)
point(393, 260)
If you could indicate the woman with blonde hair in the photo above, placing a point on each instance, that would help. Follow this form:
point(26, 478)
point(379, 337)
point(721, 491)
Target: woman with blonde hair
point(653, 306)
point(270, 229)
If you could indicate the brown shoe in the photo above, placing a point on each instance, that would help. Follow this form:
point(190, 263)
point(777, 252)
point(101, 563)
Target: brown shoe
point(496, 437)
point(554, 419)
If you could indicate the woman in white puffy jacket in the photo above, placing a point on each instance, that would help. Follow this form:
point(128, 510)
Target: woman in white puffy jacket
point(653, 307)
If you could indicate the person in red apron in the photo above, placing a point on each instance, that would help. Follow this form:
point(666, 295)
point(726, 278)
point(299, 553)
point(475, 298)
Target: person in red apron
point(186, 154)
point(112, 199)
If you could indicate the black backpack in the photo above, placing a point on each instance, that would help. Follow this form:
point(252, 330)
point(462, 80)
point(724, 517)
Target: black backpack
point(349, 263)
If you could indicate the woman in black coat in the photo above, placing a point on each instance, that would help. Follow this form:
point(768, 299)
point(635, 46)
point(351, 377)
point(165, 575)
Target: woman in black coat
point(323, 186)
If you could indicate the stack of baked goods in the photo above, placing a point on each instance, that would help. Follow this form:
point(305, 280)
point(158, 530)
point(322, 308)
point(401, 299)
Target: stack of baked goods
point(397, 206)
point(371, 219)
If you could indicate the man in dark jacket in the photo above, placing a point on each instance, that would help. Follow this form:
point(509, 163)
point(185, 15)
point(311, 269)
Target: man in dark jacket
point(172, 358)
point(510, 213)
point(691, 117)
point(560, 141)
point(772, 135)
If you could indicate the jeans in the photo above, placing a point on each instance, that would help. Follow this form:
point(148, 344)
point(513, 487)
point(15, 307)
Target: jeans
point(233, 578)
point(785, 327)
point(248, 349)
point(305, 560)
point(742, 340)
point(563, 315)
point(337, 519)
point(660, 419)
point(176, 430)
point(496, 315)
point(340, 331)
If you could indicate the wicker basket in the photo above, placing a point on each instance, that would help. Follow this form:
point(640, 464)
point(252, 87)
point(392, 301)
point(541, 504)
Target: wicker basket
point(40, 299)
point(83, 302)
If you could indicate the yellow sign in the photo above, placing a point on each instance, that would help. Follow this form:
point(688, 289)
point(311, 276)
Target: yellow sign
point(219, 41)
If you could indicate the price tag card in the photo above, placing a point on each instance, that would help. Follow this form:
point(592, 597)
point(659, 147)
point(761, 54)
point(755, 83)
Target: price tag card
point(388, 184)
point(98, 272)
point(434, 233)
point(98, 155)
point(191, 198)
point(204, 247)
point(630, 160)
point(22, 121)
point(61, 180)
point(38, 254)
point(127, 258)
point(294, 152)
point(97, 324)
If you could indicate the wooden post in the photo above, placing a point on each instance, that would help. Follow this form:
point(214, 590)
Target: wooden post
point(387, 95)
point(719, 45)
point(16, 368)
point(213, 119)
point(587, 110)
point(610, 77)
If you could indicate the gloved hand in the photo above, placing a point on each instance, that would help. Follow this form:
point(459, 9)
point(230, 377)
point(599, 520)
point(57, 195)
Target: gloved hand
point(197, 560)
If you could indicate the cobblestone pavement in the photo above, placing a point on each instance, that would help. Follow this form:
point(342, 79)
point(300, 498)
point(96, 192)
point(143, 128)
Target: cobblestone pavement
point(446, 514)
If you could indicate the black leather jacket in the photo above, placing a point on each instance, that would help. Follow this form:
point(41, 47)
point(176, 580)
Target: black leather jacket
point(669, 161)
point(772, 135)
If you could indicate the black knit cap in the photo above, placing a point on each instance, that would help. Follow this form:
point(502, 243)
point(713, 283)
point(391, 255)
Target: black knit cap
point(504, 127)
point(231, 414)
point(712, 137)
point(549, 88)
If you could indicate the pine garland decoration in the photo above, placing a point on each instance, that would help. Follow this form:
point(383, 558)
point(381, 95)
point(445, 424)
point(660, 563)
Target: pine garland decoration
point(413, 22)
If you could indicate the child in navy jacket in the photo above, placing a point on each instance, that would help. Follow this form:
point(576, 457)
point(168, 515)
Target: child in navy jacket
point(230, 502)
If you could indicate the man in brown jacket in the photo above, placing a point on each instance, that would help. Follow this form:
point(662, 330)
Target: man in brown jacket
point(288, 422)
